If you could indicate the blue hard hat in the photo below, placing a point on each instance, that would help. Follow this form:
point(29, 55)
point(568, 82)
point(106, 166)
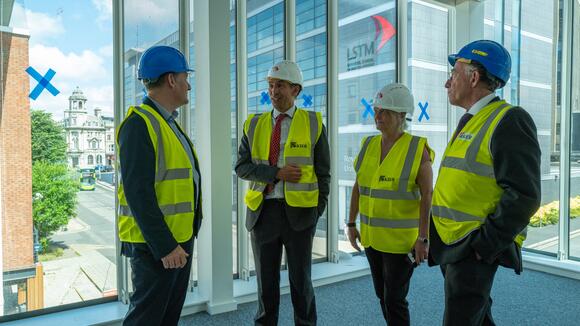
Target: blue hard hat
point(491, 55)
point(161, 59)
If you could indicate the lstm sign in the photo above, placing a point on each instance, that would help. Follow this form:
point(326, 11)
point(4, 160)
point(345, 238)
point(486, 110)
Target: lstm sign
point(363, 55)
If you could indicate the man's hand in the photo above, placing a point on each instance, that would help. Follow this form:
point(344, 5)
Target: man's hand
point(421, 251)
point(353, 235)
point(176, 259)
point(289, 173)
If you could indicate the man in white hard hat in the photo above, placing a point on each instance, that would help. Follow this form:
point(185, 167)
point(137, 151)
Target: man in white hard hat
point(285, 155)
point(392, 195)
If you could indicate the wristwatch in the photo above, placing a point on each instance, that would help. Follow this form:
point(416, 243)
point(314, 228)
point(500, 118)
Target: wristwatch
point(424, 240)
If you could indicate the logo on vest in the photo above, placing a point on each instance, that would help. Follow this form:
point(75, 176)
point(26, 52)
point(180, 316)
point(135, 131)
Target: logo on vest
point(296, 145)
point(465, 136)
point(383, 178)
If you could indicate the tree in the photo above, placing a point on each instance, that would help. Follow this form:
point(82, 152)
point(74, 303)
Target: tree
point(54, 186)
point(48, 142)
point(54, 198)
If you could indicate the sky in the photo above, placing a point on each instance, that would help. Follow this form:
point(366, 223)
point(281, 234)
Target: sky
point(75, 39)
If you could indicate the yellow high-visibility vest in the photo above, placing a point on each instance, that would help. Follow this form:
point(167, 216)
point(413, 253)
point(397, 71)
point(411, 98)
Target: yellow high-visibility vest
point(466, 191)
point(389, 197)
point(174, 187)
point(305, 129)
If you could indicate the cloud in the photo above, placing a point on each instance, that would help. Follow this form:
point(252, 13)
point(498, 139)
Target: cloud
point(40, 25)
point(106, 51)
point(85, 69)
point(105, 9)
point(76, 66)
point(151, 12)
point(97, 96)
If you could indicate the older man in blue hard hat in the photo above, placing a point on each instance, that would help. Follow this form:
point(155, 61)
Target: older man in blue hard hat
point(160, 194)
point(488, 185)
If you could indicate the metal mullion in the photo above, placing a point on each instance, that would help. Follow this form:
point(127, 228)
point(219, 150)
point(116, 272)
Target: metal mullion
point(452, 46)
point(332, 109)
point(184, 19)
point(118, 83)
point(290, 29)
point(402, 59)
point(242, 112)
point(565, 130)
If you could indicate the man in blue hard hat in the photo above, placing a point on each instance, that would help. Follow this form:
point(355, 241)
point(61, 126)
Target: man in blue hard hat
point(488, 185)
point(160, 194)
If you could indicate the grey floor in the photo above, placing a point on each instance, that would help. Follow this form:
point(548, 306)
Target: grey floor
point(532, 298)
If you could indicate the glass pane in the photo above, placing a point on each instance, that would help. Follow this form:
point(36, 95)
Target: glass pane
point(57, 192)
point(575, 148)
point(539, 90)
point(428, 66)
point(265, 23)
point(311, 57)
point(234, 106)
point(140, 33)
point(367, 61)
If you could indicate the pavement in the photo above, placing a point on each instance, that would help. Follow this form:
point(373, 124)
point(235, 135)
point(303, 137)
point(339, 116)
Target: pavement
point(91, 272)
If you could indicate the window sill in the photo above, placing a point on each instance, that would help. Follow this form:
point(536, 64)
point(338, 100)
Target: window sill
point(244, 291)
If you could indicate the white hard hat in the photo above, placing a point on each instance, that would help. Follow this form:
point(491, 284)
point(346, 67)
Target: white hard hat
point(395, 97)
point(286, 70)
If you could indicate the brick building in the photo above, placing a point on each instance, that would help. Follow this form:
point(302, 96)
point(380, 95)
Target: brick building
point(21, 286)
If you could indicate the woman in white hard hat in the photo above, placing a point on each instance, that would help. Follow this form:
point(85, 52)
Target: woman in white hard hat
point(392, 193)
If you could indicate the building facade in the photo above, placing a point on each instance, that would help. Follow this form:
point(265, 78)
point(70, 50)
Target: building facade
point(20, 275)
point(90, 137)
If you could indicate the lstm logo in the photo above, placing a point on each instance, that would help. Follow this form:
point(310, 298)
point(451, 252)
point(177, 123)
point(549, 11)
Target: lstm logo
point(384, 28)
point(363, 55)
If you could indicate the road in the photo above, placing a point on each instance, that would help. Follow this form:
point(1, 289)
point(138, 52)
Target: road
point(94, 225)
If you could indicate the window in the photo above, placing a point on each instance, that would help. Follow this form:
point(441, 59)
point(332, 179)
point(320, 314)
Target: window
point(428, 66)
point(265, 23)
point(364, 65)
point(50, 261)
point(311, 57)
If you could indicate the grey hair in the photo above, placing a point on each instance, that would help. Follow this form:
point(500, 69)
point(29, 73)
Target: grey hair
point(493, 83)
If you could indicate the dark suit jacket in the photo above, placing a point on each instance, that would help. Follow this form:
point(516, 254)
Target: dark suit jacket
point(137, 162)
point(516, 164)
point(299, 218)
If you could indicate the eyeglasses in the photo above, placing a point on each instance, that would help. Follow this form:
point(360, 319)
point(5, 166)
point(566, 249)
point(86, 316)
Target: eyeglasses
point(453, 72)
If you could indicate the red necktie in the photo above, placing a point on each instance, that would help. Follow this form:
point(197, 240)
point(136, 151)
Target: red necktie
point(462, 122)
point(275, 145)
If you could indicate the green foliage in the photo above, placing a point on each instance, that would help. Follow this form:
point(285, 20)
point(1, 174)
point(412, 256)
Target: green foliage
point(54, 192)
point(550, 213)
point(48, 141)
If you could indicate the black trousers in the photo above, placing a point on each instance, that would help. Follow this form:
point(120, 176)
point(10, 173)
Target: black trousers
point(271, 232)
point(468, 285)
point(159, 293)
point(391, 278)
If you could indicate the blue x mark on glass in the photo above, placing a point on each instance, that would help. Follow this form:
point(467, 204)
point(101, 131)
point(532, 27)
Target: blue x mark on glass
point(43, 83)
point(307, 100)
point(423, 111)
point(265, 99)
point(368, 108)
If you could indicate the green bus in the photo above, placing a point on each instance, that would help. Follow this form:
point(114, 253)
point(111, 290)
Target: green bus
point(87, 179)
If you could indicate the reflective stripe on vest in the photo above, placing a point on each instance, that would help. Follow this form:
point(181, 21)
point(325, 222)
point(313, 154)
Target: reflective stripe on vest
point(389, 212)
point(466, 191)
point(174, 187)
point(258, 129)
